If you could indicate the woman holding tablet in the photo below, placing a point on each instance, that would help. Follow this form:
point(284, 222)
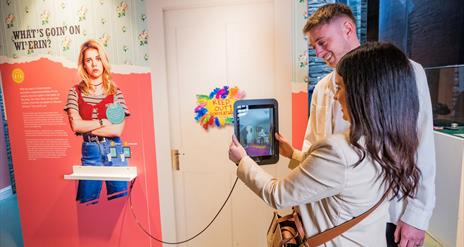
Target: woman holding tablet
point(345, 175)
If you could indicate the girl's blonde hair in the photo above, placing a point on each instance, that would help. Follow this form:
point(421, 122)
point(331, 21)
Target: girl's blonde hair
point(109, 87)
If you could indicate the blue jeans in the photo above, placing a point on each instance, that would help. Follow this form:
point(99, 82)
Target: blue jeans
point(96, 154)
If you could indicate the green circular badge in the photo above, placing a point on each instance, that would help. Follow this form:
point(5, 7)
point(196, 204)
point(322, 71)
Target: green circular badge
point(115, 113)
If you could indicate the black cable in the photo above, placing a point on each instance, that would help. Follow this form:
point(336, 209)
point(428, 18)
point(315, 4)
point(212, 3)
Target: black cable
point(180, 242)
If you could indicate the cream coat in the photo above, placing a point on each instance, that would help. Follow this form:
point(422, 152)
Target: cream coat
point(329, 189)
point(326, 119)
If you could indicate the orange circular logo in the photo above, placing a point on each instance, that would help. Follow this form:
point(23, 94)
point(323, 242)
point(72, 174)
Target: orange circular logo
point(17, 75)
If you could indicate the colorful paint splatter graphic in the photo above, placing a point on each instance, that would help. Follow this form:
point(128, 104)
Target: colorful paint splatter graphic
point(217, 108)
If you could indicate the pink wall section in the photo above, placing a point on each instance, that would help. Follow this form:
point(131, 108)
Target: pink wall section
point(299, 118)
point(49, 213)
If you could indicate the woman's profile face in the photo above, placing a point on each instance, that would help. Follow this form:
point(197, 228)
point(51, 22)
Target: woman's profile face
point(93, 64)
point(340, 95)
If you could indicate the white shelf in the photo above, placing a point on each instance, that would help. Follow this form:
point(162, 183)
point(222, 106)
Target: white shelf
point(107, 173)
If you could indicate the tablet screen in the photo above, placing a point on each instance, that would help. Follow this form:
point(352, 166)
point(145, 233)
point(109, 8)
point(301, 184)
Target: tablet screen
point(256, 129)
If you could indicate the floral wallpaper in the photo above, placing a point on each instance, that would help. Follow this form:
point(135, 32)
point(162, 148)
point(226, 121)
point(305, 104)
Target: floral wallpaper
point(59, 27)
point(300, 43)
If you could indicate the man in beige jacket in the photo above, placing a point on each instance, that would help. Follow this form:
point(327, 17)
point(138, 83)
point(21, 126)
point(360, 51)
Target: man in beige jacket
point(332, 33)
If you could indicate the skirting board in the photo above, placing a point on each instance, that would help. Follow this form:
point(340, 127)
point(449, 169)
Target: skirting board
point(6, 192)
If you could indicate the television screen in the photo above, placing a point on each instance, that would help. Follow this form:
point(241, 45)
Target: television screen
point(430, 32)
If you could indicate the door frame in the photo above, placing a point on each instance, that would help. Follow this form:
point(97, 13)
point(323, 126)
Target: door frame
point(282, 86)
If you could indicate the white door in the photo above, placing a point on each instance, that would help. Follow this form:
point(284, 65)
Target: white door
point(209, 47)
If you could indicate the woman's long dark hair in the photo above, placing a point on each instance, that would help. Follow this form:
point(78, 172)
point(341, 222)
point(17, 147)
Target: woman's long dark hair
point(382, 100)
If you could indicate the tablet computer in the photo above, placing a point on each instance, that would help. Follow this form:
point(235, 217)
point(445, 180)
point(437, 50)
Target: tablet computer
point(255, 125)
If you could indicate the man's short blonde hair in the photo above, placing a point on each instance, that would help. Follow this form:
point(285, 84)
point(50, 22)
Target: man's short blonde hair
point(327, 14)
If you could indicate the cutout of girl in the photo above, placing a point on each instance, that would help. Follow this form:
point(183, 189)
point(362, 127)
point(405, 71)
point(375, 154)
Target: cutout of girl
point(86, 106)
